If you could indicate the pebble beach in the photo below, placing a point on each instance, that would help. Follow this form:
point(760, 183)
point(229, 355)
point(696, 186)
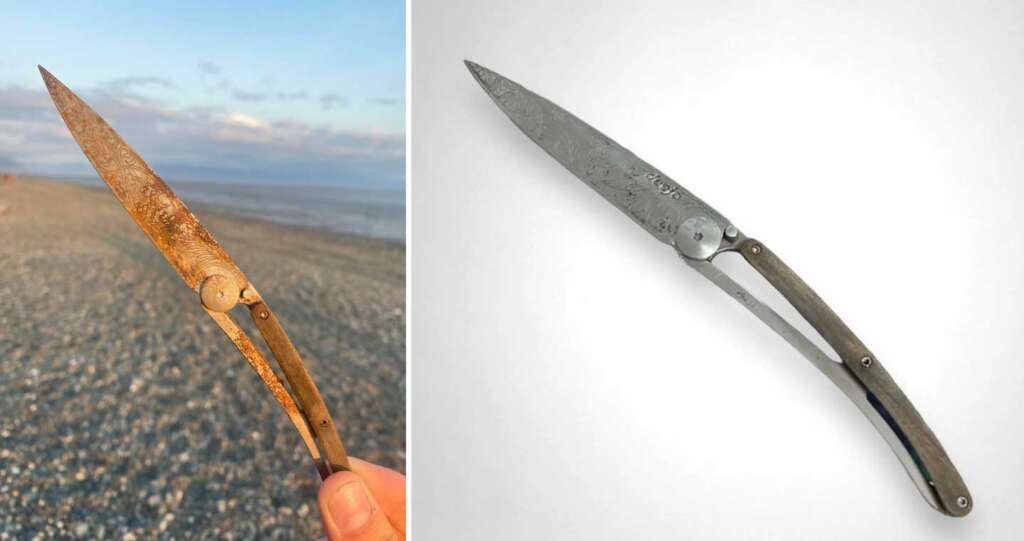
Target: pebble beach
point(126, 414)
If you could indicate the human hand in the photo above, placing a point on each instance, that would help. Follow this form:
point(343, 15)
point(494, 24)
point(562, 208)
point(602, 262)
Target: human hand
point(365, 504)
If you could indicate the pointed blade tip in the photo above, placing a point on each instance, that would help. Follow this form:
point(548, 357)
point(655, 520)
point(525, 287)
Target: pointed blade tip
point(473, 68)
point(48, 78)
point(479, 72)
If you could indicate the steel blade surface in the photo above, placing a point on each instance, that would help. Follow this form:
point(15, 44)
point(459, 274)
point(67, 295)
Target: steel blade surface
point(645, 194)
point(184, 242)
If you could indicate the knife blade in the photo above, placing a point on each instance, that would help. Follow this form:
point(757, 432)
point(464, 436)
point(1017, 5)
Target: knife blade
point(187, 245)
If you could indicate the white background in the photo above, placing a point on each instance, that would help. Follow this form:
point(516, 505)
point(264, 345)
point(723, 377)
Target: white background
point(571, 379)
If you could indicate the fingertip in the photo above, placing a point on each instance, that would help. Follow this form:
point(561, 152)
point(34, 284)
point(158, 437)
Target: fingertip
point(334, 481)
point(349, 510)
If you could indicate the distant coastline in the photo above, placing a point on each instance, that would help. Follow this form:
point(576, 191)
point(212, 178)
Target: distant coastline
point(364, 212)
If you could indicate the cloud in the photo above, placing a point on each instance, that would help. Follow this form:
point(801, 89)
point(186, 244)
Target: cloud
point(330, 101)
point(200, 143)
point(243, 95)
point(130, 87)
point(19, 103)
point(209, 68)
point(292, 96)
point(134, 82)
point(239, 93)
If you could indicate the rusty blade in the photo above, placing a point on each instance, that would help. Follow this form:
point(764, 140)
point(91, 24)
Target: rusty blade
point(187, 245)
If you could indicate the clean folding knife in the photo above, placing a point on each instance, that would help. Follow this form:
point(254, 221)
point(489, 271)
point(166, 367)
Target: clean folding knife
point(207, 269)
point(699, 233)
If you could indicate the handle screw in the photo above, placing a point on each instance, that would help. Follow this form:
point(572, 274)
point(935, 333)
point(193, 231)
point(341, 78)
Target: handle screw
point(264, 314)
point(866, 361)
point(962, 502)
point(755, 249)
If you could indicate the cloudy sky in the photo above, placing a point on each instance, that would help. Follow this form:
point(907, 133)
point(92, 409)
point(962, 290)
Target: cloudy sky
point(270, 92)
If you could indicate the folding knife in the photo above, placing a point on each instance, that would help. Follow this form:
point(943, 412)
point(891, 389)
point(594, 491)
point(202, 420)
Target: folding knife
point(205, 268)
point(698, 233)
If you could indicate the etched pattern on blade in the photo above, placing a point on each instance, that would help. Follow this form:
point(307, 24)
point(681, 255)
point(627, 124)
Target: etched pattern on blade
point(186, 244)
point(652, 199)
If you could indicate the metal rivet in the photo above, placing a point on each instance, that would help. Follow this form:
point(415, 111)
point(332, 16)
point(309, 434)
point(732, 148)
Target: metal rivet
point(866, 361)
point(731, 231)
point(323, 422)
point(962, 502)
point(755, 249)
point(218, 293)
point(264, 314)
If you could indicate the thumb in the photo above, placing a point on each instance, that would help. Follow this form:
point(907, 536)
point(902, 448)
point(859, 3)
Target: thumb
point(350, 512)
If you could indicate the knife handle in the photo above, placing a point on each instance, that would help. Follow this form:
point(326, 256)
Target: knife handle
point(301, 383)
point(883, 393)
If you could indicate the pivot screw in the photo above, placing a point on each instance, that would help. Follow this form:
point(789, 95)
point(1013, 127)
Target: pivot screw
point(962, 501)
point(866, 361)
point(218, 293)
point(756, 249)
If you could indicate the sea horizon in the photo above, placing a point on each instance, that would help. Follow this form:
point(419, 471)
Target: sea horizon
point(328, 206)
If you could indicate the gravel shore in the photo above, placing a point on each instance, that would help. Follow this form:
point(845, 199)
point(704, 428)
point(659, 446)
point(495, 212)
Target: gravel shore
point(125, 413)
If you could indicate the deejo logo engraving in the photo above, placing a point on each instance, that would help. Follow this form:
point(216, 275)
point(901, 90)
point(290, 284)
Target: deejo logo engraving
point(665, 186)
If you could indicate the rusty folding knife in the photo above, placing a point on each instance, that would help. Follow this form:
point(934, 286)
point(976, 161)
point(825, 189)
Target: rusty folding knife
point(205, 268)
point(699, 233)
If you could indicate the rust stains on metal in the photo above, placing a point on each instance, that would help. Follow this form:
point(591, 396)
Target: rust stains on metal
point(187, 245)
point(205, 267)
point(273, 383)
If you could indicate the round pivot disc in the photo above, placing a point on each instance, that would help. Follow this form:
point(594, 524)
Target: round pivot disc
point(219, 293)
point(698, 237)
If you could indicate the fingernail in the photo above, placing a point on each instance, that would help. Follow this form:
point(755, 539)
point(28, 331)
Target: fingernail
point(350, 508)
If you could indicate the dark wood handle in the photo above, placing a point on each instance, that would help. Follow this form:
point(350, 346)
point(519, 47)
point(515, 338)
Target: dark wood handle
point(884, 394)
point(302, 386)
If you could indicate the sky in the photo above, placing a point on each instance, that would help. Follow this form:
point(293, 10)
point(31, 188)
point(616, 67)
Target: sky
point(272, 92)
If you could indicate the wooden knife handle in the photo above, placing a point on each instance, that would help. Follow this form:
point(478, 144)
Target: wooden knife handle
point(302, 385)
point(883, 393)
